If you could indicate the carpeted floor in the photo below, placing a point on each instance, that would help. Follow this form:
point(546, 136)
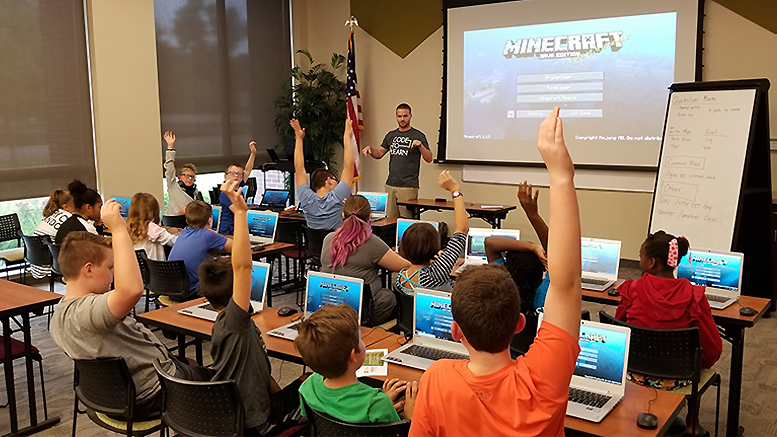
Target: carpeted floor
point(759, 393)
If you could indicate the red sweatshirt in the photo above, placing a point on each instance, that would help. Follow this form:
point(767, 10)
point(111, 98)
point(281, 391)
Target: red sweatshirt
point(668, 303)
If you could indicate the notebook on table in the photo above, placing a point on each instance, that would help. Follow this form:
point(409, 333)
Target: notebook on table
point(403, 224)
point(325, 288)
point(378, 203)
point(601, 261)
point(432, 338)
point(216, 217)
point(260, 272)
point(475, 250)
point(261, 227)
point(125, 204)
point(274, 200)
point(718, 271)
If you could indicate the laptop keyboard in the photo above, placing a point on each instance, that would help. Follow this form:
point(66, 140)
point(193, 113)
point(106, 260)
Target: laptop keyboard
point(716, 298)
point(209, 307)
point(433, 354)
point(584, 397)
point(594, 281)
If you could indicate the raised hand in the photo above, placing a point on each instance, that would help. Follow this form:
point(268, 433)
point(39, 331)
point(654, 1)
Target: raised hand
point(550, 143)
point(348, 128)
point(528, 198)
point(446, 181)
point(298, 131)
point(393, 387)
point(110, 215)
point(252, 147)
point(232, 190)
point(169, 139)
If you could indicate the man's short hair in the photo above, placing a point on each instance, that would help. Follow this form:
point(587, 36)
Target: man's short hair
point(326, 339)
point(404, 106)
point(487, 307)
point(420, 243)
point(188, 165)
point(319, 177)
point(216, 278)
point(198, 213)
point(80, 248)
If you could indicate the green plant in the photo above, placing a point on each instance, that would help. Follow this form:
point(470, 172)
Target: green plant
point(315, 97)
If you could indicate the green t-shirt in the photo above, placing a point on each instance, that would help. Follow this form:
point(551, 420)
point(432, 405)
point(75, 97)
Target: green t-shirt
point(355, 403)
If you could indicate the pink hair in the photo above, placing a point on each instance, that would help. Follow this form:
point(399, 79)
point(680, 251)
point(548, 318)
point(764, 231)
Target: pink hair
point(347, 238)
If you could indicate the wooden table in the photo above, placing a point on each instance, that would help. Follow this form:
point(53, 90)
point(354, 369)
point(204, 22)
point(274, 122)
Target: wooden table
point(21, 300)
point(492, 216)
point(620, 422)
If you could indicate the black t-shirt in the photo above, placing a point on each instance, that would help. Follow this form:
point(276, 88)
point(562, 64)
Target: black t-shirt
point(405, 161)
point(238, 353)
point(73, 223)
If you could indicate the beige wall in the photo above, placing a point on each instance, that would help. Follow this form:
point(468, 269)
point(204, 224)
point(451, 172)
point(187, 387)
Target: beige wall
point(122, 53)
point(734, 50)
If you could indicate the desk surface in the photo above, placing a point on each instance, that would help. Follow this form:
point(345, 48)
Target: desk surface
point(16, 298)
point(376, 224)
point(448, 205)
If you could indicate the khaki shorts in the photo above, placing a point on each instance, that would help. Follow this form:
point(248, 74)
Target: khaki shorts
point(399, 194)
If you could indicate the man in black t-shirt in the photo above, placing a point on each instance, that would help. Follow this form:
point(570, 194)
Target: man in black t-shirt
point(407, 145)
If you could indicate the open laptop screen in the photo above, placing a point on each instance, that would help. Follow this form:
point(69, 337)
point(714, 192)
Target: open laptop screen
point(718, 270)
point(334, 290)
point(125, 204)
point(602, 353)
point(476, 241)
point(433, 315)
point(403, 224)
point(216, 217)
point(259, 273)
point(275, 197)
point(600, 256)
point(377, 201)
point(261, 224)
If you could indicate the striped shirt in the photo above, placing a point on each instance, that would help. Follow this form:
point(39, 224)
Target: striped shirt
point(436, 275)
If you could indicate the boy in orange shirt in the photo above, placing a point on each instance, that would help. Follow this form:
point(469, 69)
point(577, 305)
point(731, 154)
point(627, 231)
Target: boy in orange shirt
point(492, 394)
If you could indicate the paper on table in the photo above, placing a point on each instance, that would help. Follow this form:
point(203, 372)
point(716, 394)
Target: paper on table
point(373, 364)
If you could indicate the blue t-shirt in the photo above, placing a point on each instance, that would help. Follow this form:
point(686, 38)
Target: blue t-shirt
point(227, 221)
point(193, 246)
point(323, 213)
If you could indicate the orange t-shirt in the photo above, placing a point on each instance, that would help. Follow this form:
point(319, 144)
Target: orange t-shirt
point(527, 397)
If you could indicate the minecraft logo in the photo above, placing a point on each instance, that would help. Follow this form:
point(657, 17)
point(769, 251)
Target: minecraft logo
point(564, 46)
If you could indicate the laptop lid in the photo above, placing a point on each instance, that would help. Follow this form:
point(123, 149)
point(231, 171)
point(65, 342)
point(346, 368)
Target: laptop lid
point(476, 241)
point(403, 224)
point(601, 258)
point(377, 201)
point(326, 288)
point(275, 198)
point(716, 270)
point(124, 202)
point(216, 217)
point(604, 357)
point(432, 319)
point(260, 273)
point(261, 226)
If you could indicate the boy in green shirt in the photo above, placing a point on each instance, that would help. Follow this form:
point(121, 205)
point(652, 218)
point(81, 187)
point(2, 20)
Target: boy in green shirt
point(330, 343)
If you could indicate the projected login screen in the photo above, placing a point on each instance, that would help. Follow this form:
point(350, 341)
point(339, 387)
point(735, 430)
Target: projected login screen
point(602, 354)
point(433, 316)
point(324, 289)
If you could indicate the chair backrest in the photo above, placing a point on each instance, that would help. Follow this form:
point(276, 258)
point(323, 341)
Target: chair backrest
point(214, 194)
point(662, 353)
point(405, 319)
point(324, 425)
point(10, 229)
point(252, 188)
point(168, 278)
point(314, 241)
point(105, 385)
point(174, 221)
point(54, 249)
point(142, 264)
point(35, 250)
point(367, 306)
point(288, 231)
point(201, 408)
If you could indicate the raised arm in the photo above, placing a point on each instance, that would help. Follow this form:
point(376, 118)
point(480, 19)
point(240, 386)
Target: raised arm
point(446, 181)
point(170, 158)
point(562, 304)
point(300, 175)
point(241, 248)
point(528, 199)
point(250, 163)
point(127, 279)
point(496, 245)
point(348, 161)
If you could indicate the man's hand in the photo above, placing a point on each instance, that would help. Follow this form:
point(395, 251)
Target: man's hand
point(393, 387)
point(367, 151)
point(528, 198)
point(110, 215)
point(416, 143)
point(348, 128)
point(252, 148)
point(298, 131)
point(411, 394)
point(446, 181)
point(232, 190)
point(170, 139)
point(550, 143)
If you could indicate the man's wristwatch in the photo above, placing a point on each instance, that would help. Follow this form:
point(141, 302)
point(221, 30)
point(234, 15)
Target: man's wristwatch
point(456, 194)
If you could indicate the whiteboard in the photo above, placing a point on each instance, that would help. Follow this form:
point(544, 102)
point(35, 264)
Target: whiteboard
point(701, 165)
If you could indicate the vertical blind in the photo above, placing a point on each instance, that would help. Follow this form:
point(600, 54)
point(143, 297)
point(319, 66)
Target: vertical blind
point(221, 65)
point(45, 113)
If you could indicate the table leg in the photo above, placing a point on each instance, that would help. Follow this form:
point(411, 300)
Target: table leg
point(9, 379)
point(30, 376)
point(268, 298)
point(737, 337)
point(182, 347)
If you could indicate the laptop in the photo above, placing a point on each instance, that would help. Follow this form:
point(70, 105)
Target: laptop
point(432, 338)
point(216, 217)
point(403, 224)
point(260, 273)
point(601, 260)
point(325, 288)
point(378, 203)
point(475, 250)
point(125, 204)
point(261, 227)
point(274, 200)
point(720, 272)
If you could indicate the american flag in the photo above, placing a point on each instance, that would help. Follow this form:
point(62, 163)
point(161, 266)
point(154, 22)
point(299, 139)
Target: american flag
point(354, 109)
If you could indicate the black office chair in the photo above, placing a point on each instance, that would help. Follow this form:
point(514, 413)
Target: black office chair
point(214, 194)
point(670, 354)
point(105, 387)
point(290, 231)
point(17, 351)
point(11, 230)
point(143, 265)
point(38, 256)
point(200, 408)
point(405, 303)
point(314, 243)
point(324, 425)
point(252, 189)
point(523, 340)
point(174, 221)
point(55, 271)
point(166, 279)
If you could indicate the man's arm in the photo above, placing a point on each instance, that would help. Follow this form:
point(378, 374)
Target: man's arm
point(528, 199)
point(348, 161)
point(300, 175)
point(425, 153)
point(376, 153)
point(250, 163)
point(127, 279)
point(170, 158)
point(562, 304)
point(496, 245)
point(241, 248)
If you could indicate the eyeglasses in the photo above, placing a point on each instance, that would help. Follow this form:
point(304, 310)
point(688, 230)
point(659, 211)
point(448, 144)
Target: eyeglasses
point(235, 173)
point(187, 176)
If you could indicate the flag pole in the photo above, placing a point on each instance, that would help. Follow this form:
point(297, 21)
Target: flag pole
point(353, 111)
